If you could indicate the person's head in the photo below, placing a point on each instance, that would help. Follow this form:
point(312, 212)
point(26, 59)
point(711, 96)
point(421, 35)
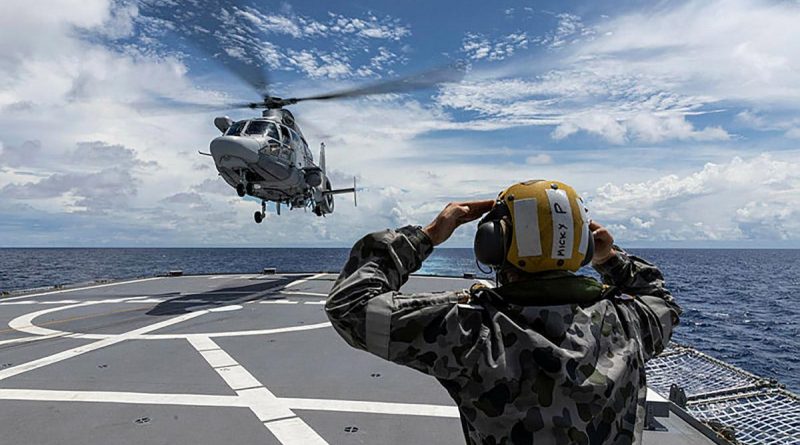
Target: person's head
point(535, 226)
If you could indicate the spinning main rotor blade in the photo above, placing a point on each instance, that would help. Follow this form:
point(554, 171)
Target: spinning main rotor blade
point(218, 30)
point(426, 79)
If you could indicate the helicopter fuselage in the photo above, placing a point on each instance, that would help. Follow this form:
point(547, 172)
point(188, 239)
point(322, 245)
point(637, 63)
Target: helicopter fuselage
point(271, 160)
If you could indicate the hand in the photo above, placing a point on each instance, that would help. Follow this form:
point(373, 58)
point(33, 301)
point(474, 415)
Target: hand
point(603, 243)
point(454, 215)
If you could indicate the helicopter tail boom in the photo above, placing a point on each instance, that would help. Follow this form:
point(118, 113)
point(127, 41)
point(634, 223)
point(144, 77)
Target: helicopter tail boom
point(343, 191)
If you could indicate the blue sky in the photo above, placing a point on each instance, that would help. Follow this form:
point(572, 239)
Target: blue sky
point(678, 121)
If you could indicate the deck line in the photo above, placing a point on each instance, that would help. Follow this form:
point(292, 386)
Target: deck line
point(64, 355)
point(303, 280)
point(279, 419)
point(94, 286)
point(48, 395)
point(359, 406)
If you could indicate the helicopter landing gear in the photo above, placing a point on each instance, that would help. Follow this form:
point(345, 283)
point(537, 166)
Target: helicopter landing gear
point(249, 188)
point(241, 190)
point(259, 216)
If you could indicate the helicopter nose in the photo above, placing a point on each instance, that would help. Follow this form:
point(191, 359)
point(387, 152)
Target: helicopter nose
point(234, 151)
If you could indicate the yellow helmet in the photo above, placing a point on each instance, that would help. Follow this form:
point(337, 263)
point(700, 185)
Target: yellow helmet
point(536, 226)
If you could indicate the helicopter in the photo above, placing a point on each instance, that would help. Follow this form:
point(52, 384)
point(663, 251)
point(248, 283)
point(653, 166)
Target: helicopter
point(268, 158)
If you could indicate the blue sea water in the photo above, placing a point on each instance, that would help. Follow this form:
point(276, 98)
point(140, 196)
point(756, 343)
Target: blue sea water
point(741, 306)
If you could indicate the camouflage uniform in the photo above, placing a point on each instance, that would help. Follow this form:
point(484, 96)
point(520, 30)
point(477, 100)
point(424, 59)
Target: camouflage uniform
point(558, 359)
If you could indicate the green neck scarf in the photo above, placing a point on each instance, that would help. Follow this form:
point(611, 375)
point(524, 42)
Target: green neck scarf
point(553, 288)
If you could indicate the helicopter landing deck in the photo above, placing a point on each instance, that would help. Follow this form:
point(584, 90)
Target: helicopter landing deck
point(234, 359)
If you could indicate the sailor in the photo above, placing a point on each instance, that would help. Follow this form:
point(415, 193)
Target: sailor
point(546, 357)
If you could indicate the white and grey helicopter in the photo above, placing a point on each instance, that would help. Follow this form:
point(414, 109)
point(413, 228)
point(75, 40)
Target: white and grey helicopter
point(268, 157)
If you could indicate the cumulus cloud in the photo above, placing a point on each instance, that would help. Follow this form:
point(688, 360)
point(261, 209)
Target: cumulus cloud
point(99, 177)
point(136, 179)
point(19, 156)
point(756, 198)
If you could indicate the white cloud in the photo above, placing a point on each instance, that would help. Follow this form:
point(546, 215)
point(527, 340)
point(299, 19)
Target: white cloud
point(755, 198)
point(639, 77)
point(733, 49)
point(72, 89)
point(570, 29)
point(477, 46)
point(617, 108)
point(539, 159)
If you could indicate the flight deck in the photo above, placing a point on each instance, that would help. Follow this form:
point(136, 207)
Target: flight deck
point(227, 359)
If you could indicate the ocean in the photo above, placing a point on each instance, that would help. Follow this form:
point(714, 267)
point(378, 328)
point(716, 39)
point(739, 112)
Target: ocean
point(741, 306)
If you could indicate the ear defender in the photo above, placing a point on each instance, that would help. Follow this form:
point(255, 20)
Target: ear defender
point(589, 250)
point(491, 242)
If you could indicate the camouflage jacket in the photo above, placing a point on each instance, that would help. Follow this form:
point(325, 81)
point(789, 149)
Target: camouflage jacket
point(558, 360)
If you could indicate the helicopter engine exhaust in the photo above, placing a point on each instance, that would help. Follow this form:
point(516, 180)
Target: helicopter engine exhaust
point(314, 178)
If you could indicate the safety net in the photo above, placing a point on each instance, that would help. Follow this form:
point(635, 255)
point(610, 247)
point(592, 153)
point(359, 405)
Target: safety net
point(698, 374)
point(756, 410)
point(768, 416)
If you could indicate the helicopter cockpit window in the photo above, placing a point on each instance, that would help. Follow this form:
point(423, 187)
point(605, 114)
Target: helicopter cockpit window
point(257, 128)
point(285, 135)
point(236, 129)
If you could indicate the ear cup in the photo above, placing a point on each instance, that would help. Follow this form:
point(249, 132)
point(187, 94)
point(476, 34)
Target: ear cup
point(490, 243)
point(589, 250)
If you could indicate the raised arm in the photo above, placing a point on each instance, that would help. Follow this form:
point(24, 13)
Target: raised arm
point(420, 330)
point(656, 309)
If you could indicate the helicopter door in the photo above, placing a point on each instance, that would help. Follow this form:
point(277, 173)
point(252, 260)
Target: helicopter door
point(296, 147)
point(285, 150)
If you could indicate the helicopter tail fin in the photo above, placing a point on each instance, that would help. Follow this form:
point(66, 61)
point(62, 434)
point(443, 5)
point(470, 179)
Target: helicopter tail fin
point(322, 157)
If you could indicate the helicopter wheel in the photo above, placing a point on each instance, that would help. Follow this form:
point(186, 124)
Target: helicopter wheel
point(240, 190)
point(258, 216)
point(249, 188)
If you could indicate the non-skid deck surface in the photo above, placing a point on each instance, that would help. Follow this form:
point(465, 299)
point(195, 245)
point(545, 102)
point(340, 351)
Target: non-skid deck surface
point(224, 359)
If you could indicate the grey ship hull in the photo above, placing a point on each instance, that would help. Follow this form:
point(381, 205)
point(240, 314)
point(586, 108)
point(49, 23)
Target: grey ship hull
point(227, 359)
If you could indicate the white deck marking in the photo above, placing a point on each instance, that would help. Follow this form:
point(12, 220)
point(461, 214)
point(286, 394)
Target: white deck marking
point(46, 395)
point(28, 302)
point(237, 333)
point(292, 431)
point(238, 378)
point(354, 406)
point(20, 302)
point(303, 280)
point(357, 406)
point(311, 294)
point(217, 358)
point(281, 301)
point(24, 323)
point(96, 286)
point(231, 307)
point(111, 340)
point(281, 421)
point(33, 338)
